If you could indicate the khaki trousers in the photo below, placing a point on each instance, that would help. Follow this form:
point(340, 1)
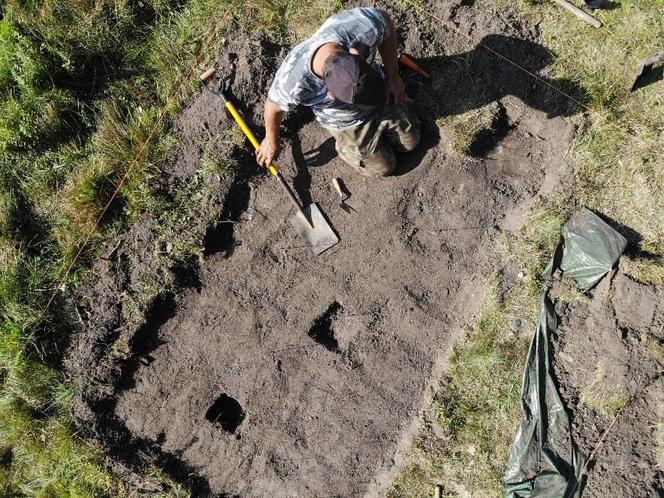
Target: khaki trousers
point(370, 147)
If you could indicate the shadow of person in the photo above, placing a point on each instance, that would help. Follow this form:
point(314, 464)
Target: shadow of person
point(470, 80)
point(322, 154)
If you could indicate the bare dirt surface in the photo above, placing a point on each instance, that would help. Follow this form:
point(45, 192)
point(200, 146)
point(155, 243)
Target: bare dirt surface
point(275, 373)
point(610, 347)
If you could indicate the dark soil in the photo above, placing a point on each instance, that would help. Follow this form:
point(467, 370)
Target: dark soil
point(271, 372)
point(612, 347)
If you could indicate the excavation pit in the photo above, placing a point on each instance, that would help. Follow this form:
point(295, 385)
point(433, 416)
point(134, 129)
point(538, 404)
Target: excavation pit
point(225, 413)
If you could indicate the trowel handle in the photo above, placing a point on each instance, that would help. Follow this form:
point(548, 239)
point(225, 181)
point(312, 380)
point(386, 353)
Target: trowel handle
point(207, 74)
point(408, 61)
point(337, 187)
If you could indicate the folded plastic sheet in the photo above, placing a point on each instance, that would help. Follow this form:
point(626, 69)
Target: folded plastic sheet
point(544, 461)
point(591, 248)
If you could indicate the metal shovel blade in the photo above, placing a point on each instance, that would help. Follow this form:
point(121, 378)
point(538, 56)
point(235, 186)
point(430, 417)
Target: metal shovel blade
point(319, 238)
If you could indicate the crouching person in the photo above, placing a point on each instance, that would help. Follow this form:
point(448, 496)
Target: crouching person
point(361, 104)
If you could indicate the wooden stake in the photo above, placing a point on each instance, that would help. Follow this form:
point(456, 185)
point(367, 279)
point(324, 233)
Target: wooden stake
point(581, 14)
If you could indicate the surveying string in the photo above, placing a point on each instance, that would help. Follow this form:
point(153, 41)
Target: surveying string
point(454, 28)
point(134, 162)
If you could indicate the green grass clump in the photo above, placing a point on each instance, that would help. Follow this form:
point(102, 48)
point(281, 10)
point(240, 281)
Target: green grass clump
point(463, 129)
point(215, 164)
point(648, 271)
point(655, 346)
point(476, 410)
point(537, 239)
point(31, 113)
point(603, 395)
point(39, 456)
point(42, 458)
point(286, 21)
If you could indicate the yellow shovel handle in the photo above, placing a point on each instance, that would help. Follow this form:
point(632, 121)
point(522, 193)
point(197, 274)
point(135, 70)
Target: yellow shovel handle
point(247, 131)
point(273, 169)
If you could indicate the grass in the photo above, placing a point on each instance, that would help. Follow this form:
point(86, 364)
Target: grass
point(602, 394)
point(87, 91)
point(539, 235)
point(286, 21)
point(462, 130)
point(615, 168)
point(648, 271)
point(464, 445)
point(655, 346)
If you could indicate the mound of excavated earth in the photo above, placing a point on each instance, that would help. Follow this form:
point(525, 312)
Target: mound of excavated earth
point(276, 373)
point(609, 350)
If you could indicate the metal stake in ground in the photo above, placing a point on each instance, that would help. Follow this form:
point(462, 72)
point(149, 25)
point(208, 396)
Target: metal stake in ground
point(309, 222)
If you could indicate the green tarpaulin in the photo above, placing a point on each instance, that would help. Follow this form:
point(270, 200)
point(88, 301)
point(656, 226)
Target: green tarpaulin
point(544, 461)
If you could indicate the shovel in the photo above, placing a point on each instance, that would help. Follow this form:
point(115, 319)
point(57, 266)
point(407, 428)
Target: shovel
point(309, 222)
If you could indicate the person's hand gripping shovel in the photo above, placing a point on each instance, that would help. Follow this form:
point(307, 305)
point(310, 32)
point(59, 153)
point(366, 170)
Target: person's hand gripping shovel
point(309, 222)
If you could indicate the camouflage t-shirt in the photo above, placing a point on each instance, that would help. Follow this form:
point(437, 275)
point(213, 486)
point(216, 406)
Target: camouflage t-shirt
point(296, 84)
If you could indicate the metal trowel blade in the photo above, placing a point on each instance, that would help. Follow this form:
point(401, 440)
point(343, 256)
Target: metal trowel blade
point(319, 238)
